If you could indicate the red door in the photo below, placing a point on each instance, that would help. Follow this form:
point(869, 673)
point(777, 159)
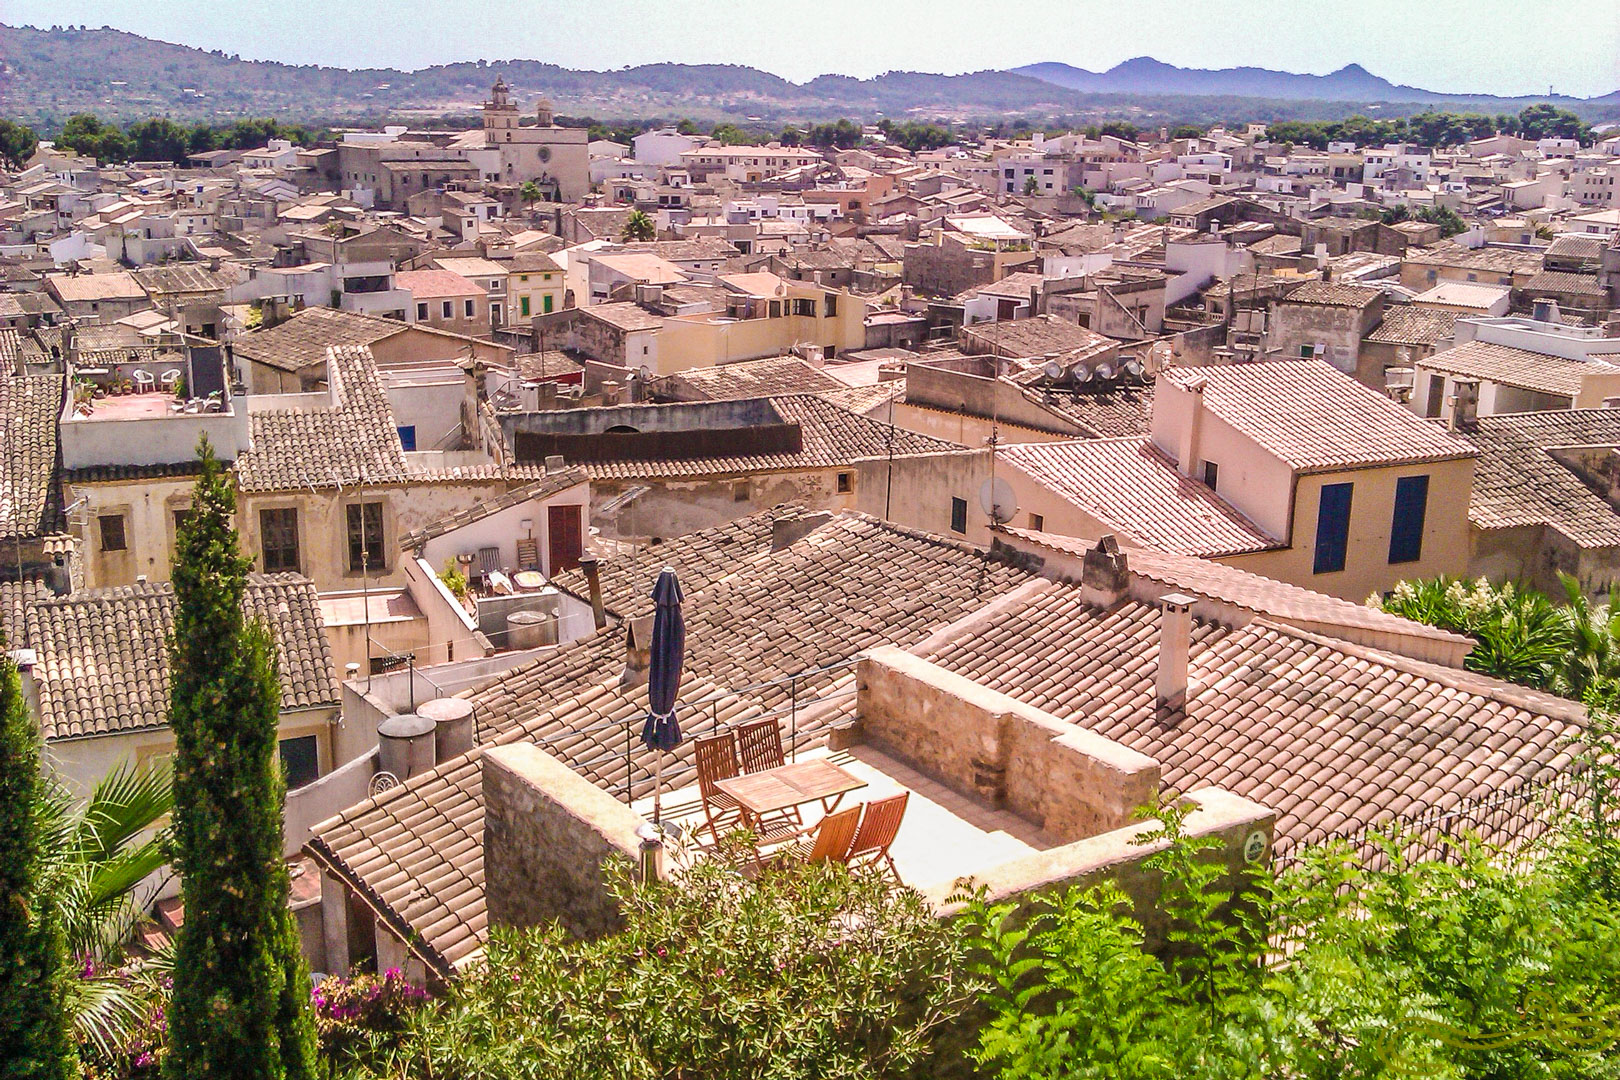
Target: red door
point(565, 536)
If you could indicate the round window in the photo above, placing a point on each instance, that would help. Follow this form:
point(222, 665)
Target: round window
point(545, 153)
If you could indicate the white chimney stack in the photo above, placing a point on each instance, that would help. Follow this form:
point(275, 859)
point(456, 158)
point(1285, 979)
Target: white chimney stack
point(1192, 430)
point(1175, 640)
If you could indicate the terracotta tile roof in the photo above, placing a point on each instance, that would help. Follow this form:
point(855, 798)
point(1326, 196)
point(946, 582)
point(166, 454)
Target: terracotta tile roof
point(301, 341)
point(550, 364)
point(30, 496)
point(1291, 604)
point(16, 597)
point(303, 448)
point(1106, 412)
point(1497, 260)
point(552, 484)
point(436, 284)
point(1517, 482)
point(700, 558)
point(416, 851)
point(1036, 336)
point(1518, 367)
point(832, 437)
point(104, 659)
point(1315, 418)
point(756, 378)
point(1332, 294)
point(1409, 324)
point(82, 288)
point(867, 400)
point(188, 278)
point(1560, 281)
point(1134, 488)
point(1332, 736)
point(624, 315)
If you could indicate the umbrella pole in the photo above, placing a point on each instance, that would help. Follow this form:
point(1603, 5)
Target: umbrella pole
point(658, 793)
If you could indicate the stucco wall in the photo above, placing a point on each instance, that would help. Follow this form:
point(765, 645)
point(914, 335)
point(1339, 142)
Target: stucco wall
point(1445, 548)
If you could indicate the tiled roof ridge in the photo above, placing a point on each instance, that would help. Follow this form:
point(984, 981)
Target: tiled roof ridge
point(1460, 679)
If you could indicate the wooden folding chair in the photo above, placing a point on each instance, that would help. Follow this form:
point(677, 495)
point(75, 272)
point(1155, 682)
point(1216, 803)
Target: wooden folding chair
point(879, 826)
point(717, 760)
point(759, 745)
point(832, 839)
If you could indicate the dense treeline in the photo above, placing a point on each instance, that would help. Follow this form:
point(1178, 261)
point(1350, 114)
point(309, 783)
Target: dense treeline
point(155, 139)
point(1434, 129)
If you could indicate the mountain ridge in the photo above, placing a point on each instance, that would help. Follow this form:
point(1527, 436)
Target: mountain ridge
point(1351, 82)
point(46, 75)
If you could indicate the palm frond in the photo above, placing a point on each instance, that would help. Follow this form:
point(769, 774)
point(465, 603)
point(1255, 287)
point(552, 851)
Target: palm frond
point(128, 801)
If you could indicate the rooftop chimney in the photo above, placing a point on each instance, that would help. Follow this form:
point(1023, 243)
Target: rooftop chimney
point(1188, 443)
point(1175, 636)
point(787, 531)
point(1464, 405)
point(637, 652)
point(1545, 309)
point(593, 580)
point(1104, 574)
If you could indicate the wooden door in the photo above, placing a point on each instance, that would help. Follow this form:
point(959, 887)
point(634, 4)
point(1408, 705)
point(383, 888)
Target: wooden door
point(565, 539)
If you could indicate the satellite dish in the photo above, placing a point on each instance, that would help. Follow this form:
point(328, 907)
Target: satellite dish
point(1053, 369)
point(996, 500)
point(646, 372)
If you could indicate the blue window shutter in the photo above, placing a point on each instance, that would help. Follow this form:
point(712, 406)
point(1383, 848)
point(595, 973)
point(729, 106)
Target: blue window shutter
point(1406, 530)
point(407, 438)
point(1332, 528)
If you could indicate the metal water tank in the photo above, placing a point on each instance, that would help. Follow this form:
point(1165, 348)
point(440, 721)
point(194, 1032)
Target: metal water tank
point(405, 745)
point(452, 725)
point(531, 629)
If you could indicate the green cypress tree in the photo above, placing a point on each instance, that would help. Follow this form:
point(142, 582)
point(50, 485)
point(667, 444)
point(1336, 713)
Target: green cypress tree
point(35, 1043)
point(240, 1007)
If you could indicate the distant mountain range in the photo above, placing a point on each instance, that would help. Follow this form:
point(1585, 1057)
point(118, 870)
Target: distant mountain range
point(1350, 83)
point(47, 75)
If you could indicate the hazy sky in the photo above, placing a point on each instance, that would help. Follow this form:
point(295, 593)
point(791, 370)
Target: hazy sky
point(1490, 46)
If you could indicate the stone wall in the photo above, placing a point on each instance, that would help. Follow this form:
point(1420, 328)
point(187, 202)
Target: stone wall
point(547, 834)
point(1059, 776)
point(1242, 829)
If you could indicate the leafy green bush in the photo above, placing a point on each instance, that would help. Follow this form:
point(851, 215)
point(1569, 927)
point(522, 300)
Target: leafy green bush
point(1483, 966)
point(799, 973)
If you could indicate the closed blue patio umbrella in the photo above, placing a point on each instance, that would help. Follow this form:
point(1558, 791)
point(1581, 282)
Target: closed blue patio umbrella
point(662, 732)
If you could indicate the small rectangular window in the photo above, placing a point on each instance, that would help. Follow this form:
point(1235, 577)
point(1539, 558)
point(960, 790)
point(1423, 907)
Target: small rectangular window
point(1037, 522)
point(845, 483)
point(421, 312)
point(447, 310)
point(112, 532)
point(1212, 473)
point(407, 437)
point(523, 306)
point(545, 304)
point(832, 305)
point(958, 515)
point(1332, 529)
point(365, 521)
point(1406, 529)
point(300, 761)
point(739, 491)
point(278, 539)
point(467, 305)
